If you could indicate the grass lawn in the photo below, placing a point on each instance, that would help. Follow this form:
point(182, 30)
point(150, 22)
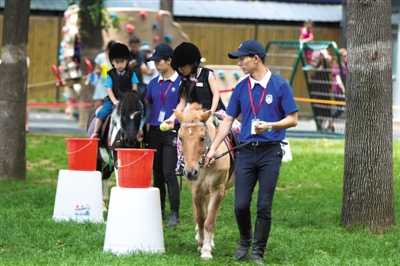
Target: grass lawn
point(305, 231)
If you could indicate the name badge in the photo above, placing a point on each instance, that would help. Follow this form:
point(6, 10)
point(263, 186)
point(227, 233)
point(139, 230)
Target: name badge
point(199, 84)
point(253, 125)
point(161, 116)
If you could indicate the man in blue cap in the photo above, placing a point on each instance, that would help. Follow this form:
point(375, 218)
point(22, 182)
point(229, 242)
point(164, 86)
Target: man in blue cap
point(268, 108)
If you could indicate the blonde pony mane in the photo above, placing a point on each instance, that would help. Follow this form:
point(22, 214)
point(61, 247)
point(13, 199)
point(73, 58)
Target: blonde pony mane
point(193, 113)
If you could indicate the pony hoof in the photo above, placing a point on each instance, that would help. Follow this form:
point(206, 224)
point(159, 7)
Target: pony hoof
point(206, 256)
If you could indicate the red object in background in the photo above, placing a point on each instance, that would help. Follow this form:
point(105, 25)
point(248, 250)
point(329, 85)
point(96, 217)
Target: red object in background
point(71, 99)
point(130, 28)
point(67, 14)
point(156, 38)
point(159, 15)
point(143, 14)
point(59, 80)
point(89, 68)
point(65, 29)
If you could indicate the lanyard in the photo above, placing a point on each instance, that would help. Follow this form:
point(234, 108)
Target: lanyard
point(165, 94)
point(251, 99)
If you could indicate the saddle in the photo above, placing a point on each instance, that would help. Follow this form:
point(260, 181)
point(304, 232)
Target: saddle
point(104, 131)
point(230, 141)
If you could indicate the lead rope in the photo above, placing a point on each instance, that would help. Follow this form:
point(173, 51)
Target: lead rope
point(240, 145)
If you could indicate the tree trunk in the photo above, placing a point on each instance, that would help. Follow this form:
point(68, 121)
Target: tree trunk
point(92, 41)
point(167, 5)
point(13, 90)
point(368, 192)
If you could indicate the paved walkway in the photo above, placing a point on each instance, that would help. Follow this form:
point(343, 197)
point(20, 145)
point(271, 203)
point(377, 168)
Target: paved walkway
point(53, 123)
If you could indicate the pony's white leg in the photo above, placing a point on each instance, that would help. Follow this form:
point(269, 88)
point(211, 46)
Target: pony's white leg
point(196, 229)
point(206, 249)
point(214, 205)
point(104, 185)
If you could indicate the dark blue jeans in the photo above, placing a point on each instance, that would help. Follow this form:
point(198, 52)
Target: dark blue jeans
point(164, 164)
point(339, 108)
point(252, 164)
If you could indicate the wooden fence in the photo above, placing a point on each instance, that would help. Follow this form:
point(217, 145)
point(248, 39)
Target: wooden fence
point(214, 40)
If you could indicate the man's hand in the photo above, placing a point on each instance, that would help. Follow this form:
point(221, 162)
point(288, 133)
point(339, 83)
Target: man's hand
point(170, 124)
point(209, 159)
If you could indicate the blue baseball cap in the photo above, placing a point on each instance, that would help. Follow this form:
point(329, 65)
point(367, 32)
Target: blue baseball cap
point(161, 51)
point(249, 47)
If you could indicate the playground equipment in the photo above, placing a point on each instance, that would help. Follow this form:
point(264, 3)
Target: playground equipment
point(283, 58)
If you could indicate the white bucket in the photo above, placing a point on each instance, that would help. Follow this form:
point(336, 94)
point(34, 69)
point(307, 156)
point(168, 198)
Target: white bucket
point(134, 221)
point(79, 196)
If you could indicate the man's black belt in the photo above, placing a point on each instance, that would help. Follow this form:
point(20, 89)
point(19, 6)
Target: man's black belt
point(258, 143)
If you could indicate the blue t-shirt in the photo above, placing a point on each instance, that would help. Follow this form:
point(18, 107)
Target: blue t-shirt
point(277, 104)
point(156, 91)
point(109, 83)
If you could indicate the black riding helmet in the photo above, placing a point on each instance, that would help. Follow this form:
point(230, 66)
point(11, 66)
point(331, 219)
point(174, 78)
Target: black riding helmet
point(118, 50)
point(186, 54)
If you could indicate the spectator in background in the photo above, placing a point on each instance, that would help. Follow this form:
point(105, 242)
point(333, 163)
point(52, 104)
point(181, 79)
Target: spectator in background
point(77, 53)
point(151, 67)
point(150, 73)
point(137, 61)
point(320, 85)
point(338, 89)
point(307, 35)
point(102, 65)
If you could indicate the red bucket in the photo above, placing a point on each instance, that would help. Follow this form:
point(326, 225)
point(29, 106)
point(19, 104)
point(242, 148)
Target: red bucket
point(82, 154)
point(135, 167)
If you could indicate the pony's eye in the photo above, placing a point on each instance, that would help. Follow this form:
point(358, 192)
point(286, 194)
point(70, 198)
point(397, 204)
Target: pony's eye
point(202, 139)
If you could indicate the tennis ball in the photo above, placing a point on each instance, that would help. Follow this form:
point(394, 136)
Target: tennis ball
point(164, 126)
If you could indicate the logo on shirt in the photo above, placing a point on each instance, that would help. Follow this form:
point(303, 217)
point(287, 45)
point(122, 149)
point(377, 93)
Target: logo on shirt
point(173, 89)
point(269, 98)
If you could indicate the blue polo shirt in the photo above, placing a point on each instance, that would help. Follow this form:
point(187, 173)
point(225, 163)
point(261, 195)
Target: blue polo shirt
point(278, 101)
point(164, 95)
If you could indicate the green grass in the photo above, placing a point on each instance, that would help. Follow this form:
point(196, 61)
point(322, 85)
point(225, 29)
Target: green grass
point(306, 215)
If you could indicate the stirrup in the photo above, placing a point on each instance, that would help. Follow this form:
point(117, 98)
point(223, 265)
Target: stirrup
point(179, 169)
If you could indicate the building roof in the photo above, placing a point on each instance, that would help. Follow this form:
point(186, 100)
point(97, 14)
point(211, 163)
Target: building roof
point(225, 9)
point(280, 11)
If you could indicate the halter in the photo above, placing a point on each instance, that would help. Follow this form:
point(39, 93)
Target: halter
point(207, 139)
point(121, 129)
